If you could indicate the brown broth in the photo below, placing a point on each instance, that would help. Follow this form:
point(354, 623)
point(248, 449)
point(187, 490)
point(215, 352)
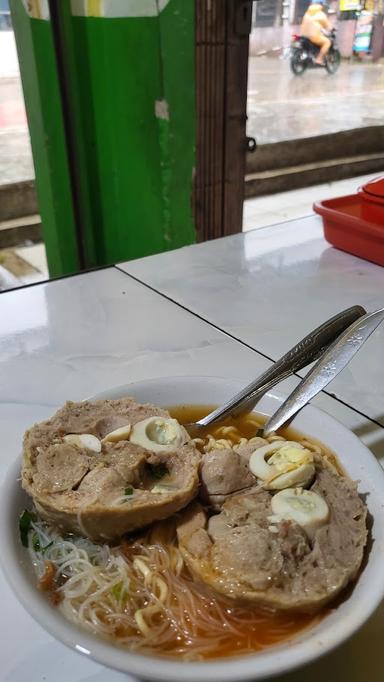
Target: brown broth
point(247, 424)
point(256, 628)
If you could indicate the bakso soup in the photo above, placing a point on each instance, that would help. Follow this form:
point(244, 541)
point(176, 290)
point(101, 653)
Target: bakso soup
point(187, 548)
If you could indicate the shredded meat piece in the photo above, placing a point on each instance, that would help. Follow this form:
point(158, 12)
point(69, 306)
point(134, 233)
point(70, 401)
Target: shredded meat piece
point(47, 581)
point(49, 584)
point(55, 597)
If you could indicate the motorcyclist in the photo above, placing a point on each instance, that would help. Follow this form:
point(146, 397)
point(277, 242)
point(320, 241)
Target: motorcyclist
point(315, 23)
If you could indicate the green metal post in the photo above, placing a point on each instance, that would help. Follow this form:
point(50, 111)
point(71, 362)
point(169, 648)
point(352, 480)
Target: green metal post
point(42, 98)
point(129, 70)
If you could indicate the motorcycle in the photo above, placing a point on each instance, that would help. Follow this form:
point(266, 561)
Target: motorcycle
point(304, 53)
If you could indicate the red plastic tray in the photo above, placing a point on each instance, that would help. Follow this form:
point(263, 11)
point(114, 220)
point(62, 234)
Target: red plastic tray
point(355, 223)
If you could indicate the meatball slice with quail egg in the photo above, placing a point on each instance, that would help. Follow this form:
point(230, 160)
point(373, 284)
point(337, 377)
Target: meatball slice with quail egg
point(106, 467)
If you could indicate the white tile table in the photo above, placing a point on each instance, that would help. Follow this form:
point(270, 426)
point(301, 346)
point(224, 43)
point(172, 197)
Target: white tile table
point(80, 335)
point(269, 287)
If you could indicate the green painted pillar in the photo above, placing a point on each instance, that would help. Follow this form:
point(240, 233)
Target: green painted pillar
point(128, 67)
point(43, 104)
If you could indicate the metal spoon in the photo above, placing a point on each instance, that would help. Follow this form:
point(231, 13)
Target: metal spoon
point(330, 364)
point(302, 354)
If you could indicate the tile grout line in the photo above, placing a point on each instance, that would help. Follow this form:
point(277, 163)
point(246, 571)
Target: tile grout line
point(59, 278)
point(243, 343)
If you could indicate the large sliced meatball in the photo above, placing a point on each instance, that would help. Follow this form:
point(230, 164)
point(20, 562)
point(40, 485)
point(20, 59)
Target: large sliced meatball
point(242, 554)
point(225, 472)
point(104, 494)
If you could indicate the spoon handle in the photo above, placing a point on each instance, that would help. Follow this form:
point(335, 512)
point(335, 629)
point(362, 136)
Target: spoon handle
point(331, 363)
point(302, 354)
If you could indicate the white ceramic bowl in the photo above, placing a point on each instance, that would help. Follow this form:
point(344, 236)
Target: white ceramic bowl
point(330, 632)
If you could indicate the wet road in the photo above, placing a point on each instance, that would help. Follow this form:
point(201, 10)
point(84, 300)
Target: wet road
point(282, 106)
